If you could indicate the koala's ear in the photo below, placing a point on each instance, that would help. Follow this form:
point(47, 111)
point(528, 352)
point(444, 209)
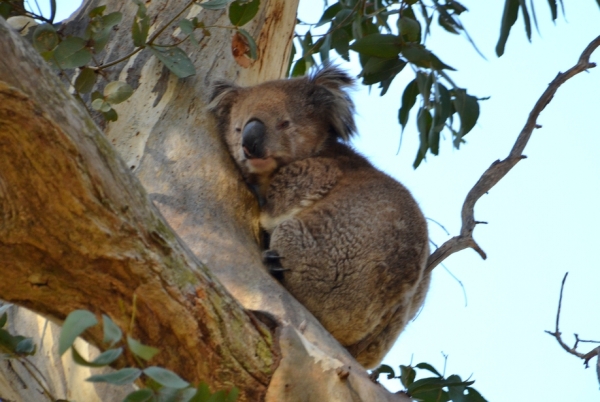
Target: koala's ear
point(339, 106)
point(222, 96)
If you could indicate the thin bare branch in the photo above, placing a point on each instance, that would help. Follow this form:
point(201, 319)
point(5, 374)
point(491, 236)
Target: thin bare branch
point(558, 335)
point(499, 169)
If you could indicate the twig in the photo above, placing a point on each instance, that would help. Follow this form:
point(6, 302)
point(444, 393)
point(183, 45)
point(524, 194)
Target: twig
point(499, 169)
point(557, 334)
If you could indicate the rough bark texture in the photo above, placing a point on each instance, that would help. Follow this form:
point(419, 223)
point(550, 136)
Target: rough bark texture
point(78, 232)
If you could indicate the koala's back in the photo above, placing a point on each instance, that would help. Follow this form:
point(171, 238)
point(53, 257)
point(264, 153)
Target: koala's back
point(354, 246)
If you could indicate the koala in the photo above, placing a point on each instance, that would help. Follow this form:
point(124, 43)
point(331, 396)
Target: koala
point(346, 240)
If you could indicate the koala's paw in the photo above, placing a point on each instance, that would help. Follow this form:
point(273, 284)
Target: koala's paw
point(272, 261)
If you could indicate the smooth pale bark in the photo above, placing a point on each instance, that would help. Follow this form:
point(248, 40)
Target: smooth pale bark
point(84, 234)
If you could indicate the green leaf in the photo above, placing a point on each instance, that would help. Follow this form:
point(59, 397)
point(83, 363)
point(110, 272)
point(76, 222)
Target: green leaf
point(474, 396)
point(104, 359)
point(101, 105)
point(526, 18)
point(554, 8)
point(110, 115)
point(426, 384)
point(385, 369)
point(112, 19)
point(8, 342)
point(456, 392)
point(5, 9)
point(44, 38)
point(165, 377)
point(85, 81)
point(187, 26)
point(377, 70)
point(378, 45)
point(467, 108)
point(214, 4)
point(25, 347)
point(175, 60)
point(141, 25)
point(233, 395)
point(112, 333)
point(428, 367)
point(166, 394)
point(119, 377)
point(418, 55)
point(329, 14)
point(117, 91)
point(141, 350)
point(340, 41)
point(299, 68)
point(407, 375)
point(509, 17)
point(409, 97)
point(410, 29)
point(3, 319)
point(325, 48)
point(4, 308)
point(98, 11)
point(202, 393)
point(74, 325)
point(72, 52)
point(251, 43)
point(240, 13)
point(141, 395)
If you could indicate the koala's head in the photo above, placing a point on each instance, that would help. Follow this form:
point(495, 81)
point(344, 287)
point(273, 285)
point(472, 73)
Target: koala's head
point(270, 125)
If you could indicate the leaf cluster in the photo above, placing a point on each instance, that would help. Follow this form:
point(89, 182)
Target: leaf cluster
point(78, 52)
point(436, 388)
point(162, 385)
point(13, 346)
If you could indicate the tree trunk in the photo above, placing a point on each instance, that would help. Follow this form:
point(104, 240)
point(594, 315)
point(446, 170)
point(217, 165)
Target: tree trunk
point(79, 231)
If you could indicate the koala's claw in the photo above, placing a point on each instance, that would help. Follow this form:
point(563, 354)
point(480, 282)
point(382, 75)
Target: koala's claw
point(272, 260)
point(272, 257)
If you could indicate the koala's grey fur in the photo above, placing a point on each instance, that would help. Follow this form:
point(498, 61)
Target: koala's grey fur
point(351, 241)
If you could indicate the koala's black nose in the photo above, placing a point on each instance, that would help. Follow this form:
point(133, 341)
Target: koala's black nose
point(253, 139)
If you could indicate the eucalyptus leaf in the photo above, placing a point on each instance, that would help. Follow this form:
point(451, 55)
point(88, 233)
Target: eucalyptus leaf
point(25, 347)
point(141, 350)
point(379, 45)
point(117, 91)
point(104, 359)
point(98, 11)
point(119, 377)
point(428, 367)
point(110, 115)
point(75, 324)
point(141, 395)
point(44, 38)
point(72, 52)
point(509, 17)
point(242, 12)
point(407, 375)
point(175, 60)
point(112, 333)
point(251, 43)
point(329, 14)
point(214, 4)
point(3, 319)
point(409, 97)
point(474, 396)
point(467, 108)
point(165, 377)
point(85, 80)
point(4, 308)
point(202, 393)
point(101, 105)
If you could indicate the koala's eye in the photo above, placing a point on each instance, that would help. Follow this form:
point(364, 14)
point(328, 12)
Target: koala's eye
point(283, 124)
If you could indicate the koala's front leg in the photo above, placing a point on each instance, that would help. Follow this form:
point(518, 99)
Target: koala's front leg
point(296, 187)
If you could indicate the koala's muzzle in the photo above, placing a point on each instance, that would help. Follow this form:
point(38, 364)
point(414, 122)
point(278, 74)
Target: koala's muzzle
point(253, 139)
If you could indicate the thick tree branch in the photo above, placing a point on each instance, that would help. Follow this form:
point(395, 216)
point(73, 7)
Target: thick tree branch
point(499, 169)
point(558, 335)
point(77, 230)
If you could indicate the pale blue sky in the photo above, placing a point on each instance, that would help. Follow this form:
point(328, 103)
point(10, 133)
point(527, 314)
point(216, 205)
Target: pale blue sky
point(543, 217)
